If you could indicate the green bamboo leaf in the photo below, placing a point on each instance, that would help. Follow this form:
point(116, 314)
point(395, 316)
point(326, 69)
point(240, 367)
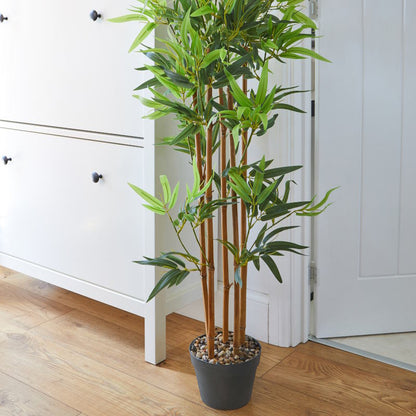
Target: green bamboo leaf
point(166, 280)
point(258, 182)
point(262, 88)
point(260, 235)
point(181, 277)
point(166, 188)
point(301, 18)
point(263, 118)
point(307, 52)
point(127, 18)
point(204, 189)
point(196, 46)
point(189, 194)
point(287, 190)
point(272, 173)
point(324, 200)
point(150, 199)
point(189, 130)
point(282, 209)
point(236, 135)
point(313, 213)
point(266, 193)
point(158, 261)
point(211, 57)
point(282, 106)
point(149, 103)
point(229, 6)
point(155, 209)
point(178, 79)
point(231, 247)
point(278, 231)
point(174, 197)
point(267, 103)
point(186, 23)
point(202, 11)
point(285, 246)
point(143, 34)
point(237, 179)
point(155, 115)
point(237, 92)
point(169, 85)
point(272, 266)
point(237, 277)
point(187, 257)
point(240, 192)
point(197, 178)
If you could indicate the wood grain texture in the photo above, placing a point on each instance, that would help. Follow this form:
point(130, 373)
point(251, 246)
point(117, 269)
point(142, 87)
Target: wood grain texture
point(26, 309)
point(61, 349)
point(17, 398)
point(345, 386)
point(75, 301)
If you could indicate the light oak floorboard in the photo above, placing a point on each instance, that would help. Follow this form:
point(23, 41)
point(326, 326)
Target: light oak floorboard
point(17, 398)
point(89, 357)
point(74, 301)
point(345, 386)
point(26, 309)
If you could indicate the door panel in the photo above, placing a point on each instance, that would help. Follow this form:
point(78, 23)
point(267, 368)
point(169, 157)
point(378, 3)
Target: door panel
point(366, 144)
point(407, 257)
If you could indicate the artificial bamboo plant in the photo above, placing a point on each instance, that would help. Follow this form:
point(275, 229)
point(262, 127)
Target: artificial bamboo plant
point(200, 73)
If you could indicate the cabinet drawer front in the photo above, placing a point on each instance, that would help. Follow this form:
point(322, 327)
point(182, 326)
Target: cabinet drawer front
point(61, 68)
point(54, 215)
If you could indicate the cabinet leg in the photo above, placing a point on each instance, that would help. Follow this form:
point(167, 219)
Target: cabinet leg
point(155, 335)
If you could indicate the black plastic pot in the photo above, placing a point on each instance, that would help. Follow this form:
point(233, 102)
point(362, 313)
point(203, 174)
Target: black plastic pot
point(225, 387)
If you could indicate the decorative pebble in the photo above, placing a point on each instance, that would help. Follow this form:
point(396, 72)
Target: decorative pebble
point(224, 352)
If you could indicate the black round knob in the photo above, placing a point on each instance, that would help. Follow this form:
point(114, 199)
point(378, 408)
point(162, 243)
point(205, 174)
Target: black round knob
point(6, 159)
point(96, 177)
point(95, 15)
point(3, 18)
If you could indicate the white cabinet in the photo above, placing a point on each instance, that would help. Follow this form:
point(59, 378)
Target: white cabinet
point(66, 111)
point(61, 68)
point(54, 214)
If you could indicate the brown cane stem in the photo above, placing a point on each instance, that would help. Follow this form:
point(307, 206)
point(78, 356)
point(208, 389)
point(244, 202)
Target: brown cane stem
point(224, 225)
point(234, 211)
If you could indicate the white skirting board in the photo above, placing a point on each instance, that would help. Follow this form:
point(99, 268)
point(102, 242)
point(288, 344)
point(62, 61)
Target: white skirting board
point(257, 312)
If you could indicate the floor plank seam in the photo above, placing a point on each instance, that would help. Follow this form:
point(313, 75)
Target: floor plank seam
point(49, 320)
point(278, 363)
point(41, 392)
point(367, 399)
point(64, 345)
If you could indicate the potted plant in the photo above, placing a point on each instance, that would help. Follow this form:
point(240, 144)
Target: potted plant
point(200, 74)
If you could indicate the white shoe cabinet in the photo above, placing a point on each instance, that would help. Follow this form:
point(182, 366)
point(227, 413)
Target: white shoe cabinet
point(71, 138)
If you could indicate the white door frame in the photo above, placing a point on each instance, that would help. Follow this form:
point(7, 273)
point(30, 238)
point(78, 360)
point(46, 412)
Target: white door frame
point(293, 297)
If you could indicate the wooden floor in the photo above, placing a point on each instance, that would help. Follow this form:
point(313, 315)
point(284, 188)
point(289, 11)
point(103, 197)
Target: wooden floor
point(64, 355)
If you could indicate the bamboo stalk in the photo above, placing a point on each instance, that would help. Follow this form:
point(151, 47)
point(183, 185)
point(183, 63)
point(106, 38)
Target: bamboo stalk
point(234, 211)
point(224, 230)
point(210, 244)
point(198, 154)
point(243, 228)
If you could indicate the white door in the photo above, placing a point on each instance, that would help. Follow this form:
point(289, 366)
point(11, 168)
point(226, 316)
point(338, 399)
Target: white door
point(366, 144)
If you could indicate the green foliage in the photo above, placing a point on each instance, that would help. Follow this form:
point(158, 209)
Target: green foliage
point(211, 44)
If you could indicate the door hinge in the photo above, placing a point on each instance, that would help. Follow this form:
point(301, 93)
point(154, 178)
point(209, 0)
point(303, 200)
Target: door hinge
point(313, 108)
point(313, 9)
point(312, 278)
